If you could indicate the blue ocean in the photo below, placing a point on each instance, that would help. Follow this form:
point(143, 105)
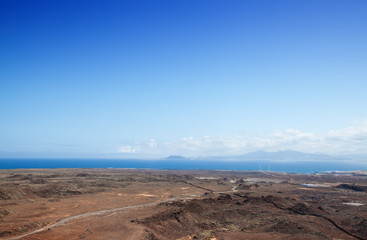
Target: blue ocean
point(294, 167)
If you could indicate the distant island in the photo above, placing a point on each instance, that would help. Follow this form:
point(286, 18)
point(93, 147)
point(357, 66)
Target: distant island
point(175, 157)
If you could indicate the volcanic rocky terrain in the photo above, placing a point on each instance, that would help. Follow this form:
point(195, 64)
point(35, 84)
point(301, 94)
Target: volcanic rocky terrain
point(198, 204)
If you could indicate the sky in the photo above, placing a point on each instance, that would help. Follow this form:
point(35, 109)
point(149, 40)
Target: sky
point(186, 77)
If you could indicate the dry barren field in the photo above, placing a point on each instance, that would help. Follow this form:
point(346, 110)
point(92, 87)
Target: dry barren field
point(158, 204)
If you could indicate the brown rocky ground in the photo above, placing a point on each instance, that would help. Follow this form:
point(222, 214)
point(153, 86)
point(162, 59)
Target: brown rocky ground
point(203, 205)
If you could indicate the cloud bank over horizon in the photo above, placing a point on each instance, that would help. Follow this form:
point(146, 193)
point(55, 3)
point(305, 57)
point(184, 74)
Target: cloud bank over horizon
point(349, 140)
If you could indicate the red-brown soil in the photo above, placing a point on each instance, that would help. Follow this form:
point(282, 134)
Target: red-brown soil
point(204, 205)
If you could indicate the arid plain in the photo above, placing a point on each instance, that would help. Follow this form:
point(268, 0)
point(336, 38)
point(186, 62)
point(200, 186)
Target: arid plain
point(198, 204)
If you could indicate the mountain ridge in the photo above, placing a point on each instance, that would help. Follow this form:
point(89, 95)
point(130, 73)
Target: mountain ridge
point(286, 155)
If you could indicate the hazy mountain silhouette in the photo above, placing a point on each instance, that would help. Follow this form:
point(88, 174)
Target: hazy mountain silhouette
point(279, 156)
point(175, 157)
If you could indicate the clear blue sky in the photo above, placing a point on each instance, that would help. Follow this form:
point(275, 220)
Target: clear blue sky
point(93, 76)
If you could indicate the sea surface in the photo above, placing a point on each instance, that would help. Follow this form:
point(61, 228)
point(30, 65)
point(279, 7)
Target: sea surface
point(294, 167)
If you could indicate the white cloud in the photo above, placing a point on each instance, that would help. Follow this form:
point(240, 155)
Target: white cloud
point(128, 149)
point(352, 139)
